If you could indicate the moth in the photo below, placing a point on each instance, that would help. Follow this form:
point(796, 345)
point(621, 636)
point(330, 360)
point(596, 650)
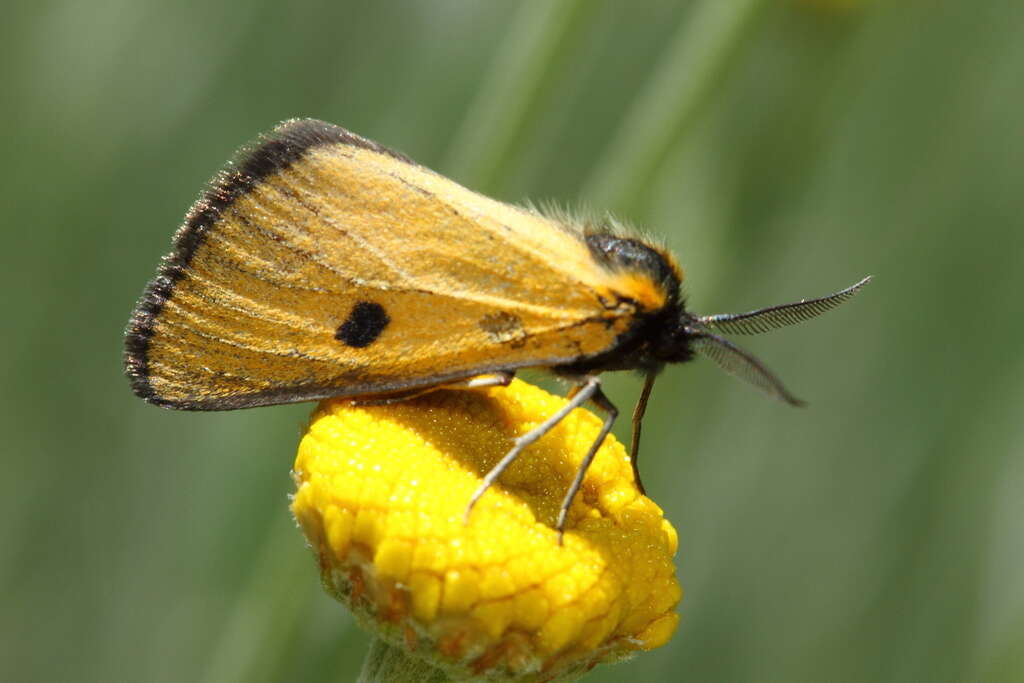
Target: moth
point(320, 264)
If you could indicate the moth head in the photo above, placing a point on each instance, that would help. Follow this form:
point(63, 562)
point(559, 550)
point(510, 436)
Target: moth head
point(704, 335)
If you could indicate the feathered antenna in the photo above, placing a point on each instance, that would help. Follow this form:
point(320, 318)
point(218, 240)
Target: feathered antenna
point(774, 317)
point(742, 364)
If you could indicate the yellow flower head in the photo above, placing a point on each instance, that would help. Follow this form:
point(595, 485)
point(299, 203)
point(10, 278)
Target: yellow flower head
point(382, 492)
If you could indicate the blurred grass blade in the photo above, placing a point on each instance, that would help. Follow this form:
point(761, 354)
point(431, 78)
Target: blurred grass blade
point(536, 43)
point(255, 639)
point(694, 63)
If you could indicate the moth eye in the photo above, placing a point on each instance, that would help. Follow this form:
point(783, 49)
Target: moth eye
point(364, 324)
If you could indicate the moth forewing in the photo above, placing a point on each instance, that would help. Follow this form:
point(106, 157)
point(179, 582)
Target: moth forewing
point(292, 248)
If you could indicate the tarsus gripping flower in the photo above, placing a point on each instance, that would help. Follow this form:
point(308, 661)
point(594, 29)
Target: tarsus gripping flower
point(382, 492)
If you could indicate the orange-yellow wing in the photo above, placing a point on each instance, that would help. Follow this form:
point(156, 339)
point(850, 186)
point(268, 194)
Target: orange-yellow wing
point(322, 264)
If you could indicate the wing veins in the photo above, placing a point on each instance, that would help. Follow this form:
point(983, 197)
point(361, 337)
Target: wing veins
point(304, 176)
point(240, 256)
point(522, 245)
point(195, 317)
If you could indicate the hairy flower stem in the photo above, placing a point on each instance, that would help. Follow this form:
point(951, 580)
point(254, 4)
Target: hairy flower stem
point(386, 663)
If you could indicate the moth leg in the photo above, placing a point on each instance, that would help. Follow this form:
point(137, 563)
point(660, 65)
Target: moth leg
point(638, 419)
point(494, 379)
point(584, 392)
point(611, 412)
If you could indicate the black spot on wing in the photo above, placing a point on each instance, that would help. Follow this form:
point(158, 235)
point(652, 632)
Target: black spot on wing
point(364, 324)
point(286, 144)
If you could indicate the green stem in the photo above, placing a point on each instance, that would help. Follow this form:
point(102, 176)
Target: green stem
point(267, 612)
point(386, 663)
point(665, 111)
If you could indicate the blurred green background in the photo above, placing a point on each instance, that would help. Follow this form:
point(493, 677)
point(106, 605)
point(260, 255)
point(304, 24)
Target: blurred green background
point(782, 149)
